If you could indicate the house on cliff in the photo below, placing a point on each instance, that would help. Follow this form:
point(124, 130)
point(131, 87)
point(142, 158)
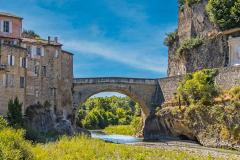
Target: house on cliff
point(199, 43)
point(33, 69)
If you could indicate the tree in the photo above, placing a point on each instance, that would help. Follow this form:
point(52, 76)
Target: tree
point(30, 34)
point(14, 114)
point(198, 87)
point(225, 13)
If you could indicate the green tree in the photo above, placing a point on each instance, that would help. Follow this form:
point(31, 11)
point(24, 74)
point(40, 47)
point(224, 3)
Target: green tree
point(198, 87)
point(14, 114)
point(225, 13)
point(30, 34)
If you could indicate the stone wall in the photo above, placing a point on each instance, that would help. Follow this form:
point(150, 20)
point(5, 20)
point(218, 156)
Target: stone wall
point(227, 78)
point(10, 76)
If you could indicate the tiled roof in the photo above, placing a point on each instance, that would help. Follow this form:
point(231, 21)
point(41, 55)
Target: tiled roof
point(9, 15)
point(40, 41)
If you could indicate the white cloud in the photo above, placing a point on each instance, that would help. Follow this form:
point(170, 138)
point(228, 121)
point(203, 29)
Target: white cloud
point(118, 53)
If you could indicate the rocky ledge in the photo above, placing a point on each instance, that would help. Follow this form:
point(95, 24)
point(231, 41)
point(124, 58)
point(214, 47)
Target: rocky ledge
point(211, 126)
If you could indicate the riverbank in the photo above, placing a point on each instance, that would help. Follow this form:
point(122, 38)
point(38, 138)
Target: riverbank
point(121, 129)
point(89, 149)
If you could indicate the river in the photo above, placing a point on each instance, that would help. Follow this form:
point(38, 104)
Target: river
point(166, 144)
point(114, 138)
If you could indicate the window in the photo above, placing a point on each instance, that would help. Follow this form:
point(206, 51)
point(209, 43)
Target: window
point(44, 71)
point(36, 70)
point(23, 62)
point(36, 93)
point(29, 50)
point(11, 60)
point(22, 82)
point(39, 51)
point(6, 26)
point(10, 80)
point(53, 92)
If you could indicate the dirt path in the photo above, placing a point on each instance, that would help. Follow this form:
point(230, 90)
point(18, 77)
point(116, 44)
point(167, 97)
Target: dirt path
point(193, 148)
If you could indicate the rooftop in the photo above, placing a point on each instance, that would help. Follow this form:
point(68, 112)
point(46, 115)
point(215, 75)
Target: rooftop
point(9, 15)
point(40, 41)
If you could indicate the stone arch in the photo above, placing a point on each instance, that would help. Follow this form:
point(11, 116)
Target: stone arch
point(143, 91)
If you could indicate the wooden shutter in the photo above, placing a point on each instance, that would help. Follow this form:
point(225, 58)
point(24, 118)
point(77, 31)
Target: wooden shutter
point(13, 60)
point(10, 27)
point(42, 51)
point(9, 60)
point(21, 62)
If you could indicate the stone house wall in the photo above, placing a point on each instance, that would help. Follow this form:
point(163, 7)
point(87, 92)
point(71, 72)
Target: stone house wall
point(10, 76)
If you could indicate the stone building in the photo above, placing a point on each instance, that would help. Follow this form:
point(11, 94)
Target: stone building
point(218, 48)
point(13, 61)
point(34, 70)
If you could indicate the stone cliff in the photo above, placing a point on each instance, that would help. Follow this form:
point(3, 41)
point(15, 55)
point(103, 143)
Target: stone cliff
point(212, 52)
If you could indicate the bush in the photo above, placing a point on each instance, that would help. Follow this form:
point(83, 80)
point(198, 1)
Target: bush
point(3, 123)
point(13, 146)
point(225, 13)
point(170, 38)
point(188, 45)
point(181, 3)
point(198, 87)
point(14, 114)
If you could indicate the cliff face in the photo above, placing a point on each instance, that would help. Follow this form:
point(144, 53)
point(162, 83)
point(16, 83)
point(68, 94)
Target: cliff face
point(212, 53)
point(198, 124)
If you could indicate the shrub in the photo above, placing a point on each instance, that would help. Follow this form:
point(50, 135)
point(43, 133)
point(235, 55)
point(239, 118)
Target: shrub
point(198, 87)
point(225, 13)
point(30, 34)
point(188, 45)
point(13, 146)
point(14, 114)
point(170, 38)
point(181, 3)
point(3, 123)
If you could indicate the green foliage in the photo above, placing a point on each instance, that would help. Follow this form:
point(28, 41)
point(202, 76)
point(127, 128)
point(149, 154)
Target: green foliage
point(98, 113)
point(120, 129)
point(188, 45)
point(3, 123)
point(198, 87)
point(225, 13)
point(30, 34)
point(170, 38)
point(14, 114)
point(13, 146)
point(90, 149)
point(181, 3)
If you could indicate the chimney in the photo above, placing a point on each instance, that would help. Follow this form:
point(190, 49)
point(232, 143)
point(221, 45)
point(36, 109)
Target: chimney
point(49, 39)
point(56, 39)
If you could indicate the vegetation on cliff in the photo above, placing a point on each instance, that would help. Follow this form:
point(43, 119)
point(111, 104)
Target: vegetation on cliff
point(225, 13)
point(188, 45)
point(170, 38)
point(209, 114)
point(99, 112)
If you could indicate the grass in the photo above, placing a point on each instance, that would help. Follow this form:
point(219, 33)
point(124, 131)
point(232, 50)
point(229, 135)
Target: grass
point(81, 148)
point(120, 129)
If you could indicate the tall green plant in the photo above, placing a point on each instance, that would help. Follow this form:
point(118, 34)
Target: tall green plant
point(198, 87)
point(14, 114)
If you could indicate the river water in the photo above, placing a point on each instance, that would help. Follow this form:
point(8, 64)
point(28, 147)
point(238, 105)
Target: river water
point(114, 138)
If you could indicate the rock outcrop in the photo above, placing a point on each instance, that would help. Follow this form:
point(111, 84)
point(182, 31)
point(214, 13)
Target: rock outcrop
point(44, 120)
point(193, 21)
point(195, 124)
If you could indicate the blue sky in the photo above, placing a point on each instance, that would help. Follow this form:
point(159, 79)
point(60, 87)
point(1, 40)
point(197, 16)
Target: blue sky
point(108, 37)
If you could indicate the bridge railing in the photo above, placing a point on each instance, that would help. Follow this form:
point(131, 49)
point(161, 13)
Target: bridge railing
point(114, 80)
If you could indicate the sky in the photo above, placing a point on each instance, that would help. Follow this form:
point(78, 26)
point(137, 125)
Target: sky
point(109, 38)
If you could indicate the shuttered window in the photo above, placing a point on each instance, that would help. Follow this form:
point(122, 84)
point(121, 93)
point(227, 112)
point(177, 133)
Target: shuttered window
point(11, 60)
point(22, 82)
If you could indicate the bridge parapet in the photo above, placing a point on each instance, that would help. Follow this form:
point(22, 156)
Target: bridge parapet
point(102, 80)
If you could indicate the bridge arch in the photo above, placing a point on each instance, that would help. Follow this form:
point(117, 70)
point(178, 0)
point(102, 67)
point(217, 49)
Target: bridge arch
point(146, 92)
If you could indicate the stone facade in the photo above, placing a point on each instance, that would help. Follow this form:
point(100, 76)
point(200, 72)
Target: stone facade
point(34, 70)
point(12, 75)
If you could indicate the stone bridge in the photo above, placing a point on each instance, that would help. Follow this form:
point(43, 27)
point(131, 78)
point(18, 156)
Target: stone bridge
point(146, 92)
